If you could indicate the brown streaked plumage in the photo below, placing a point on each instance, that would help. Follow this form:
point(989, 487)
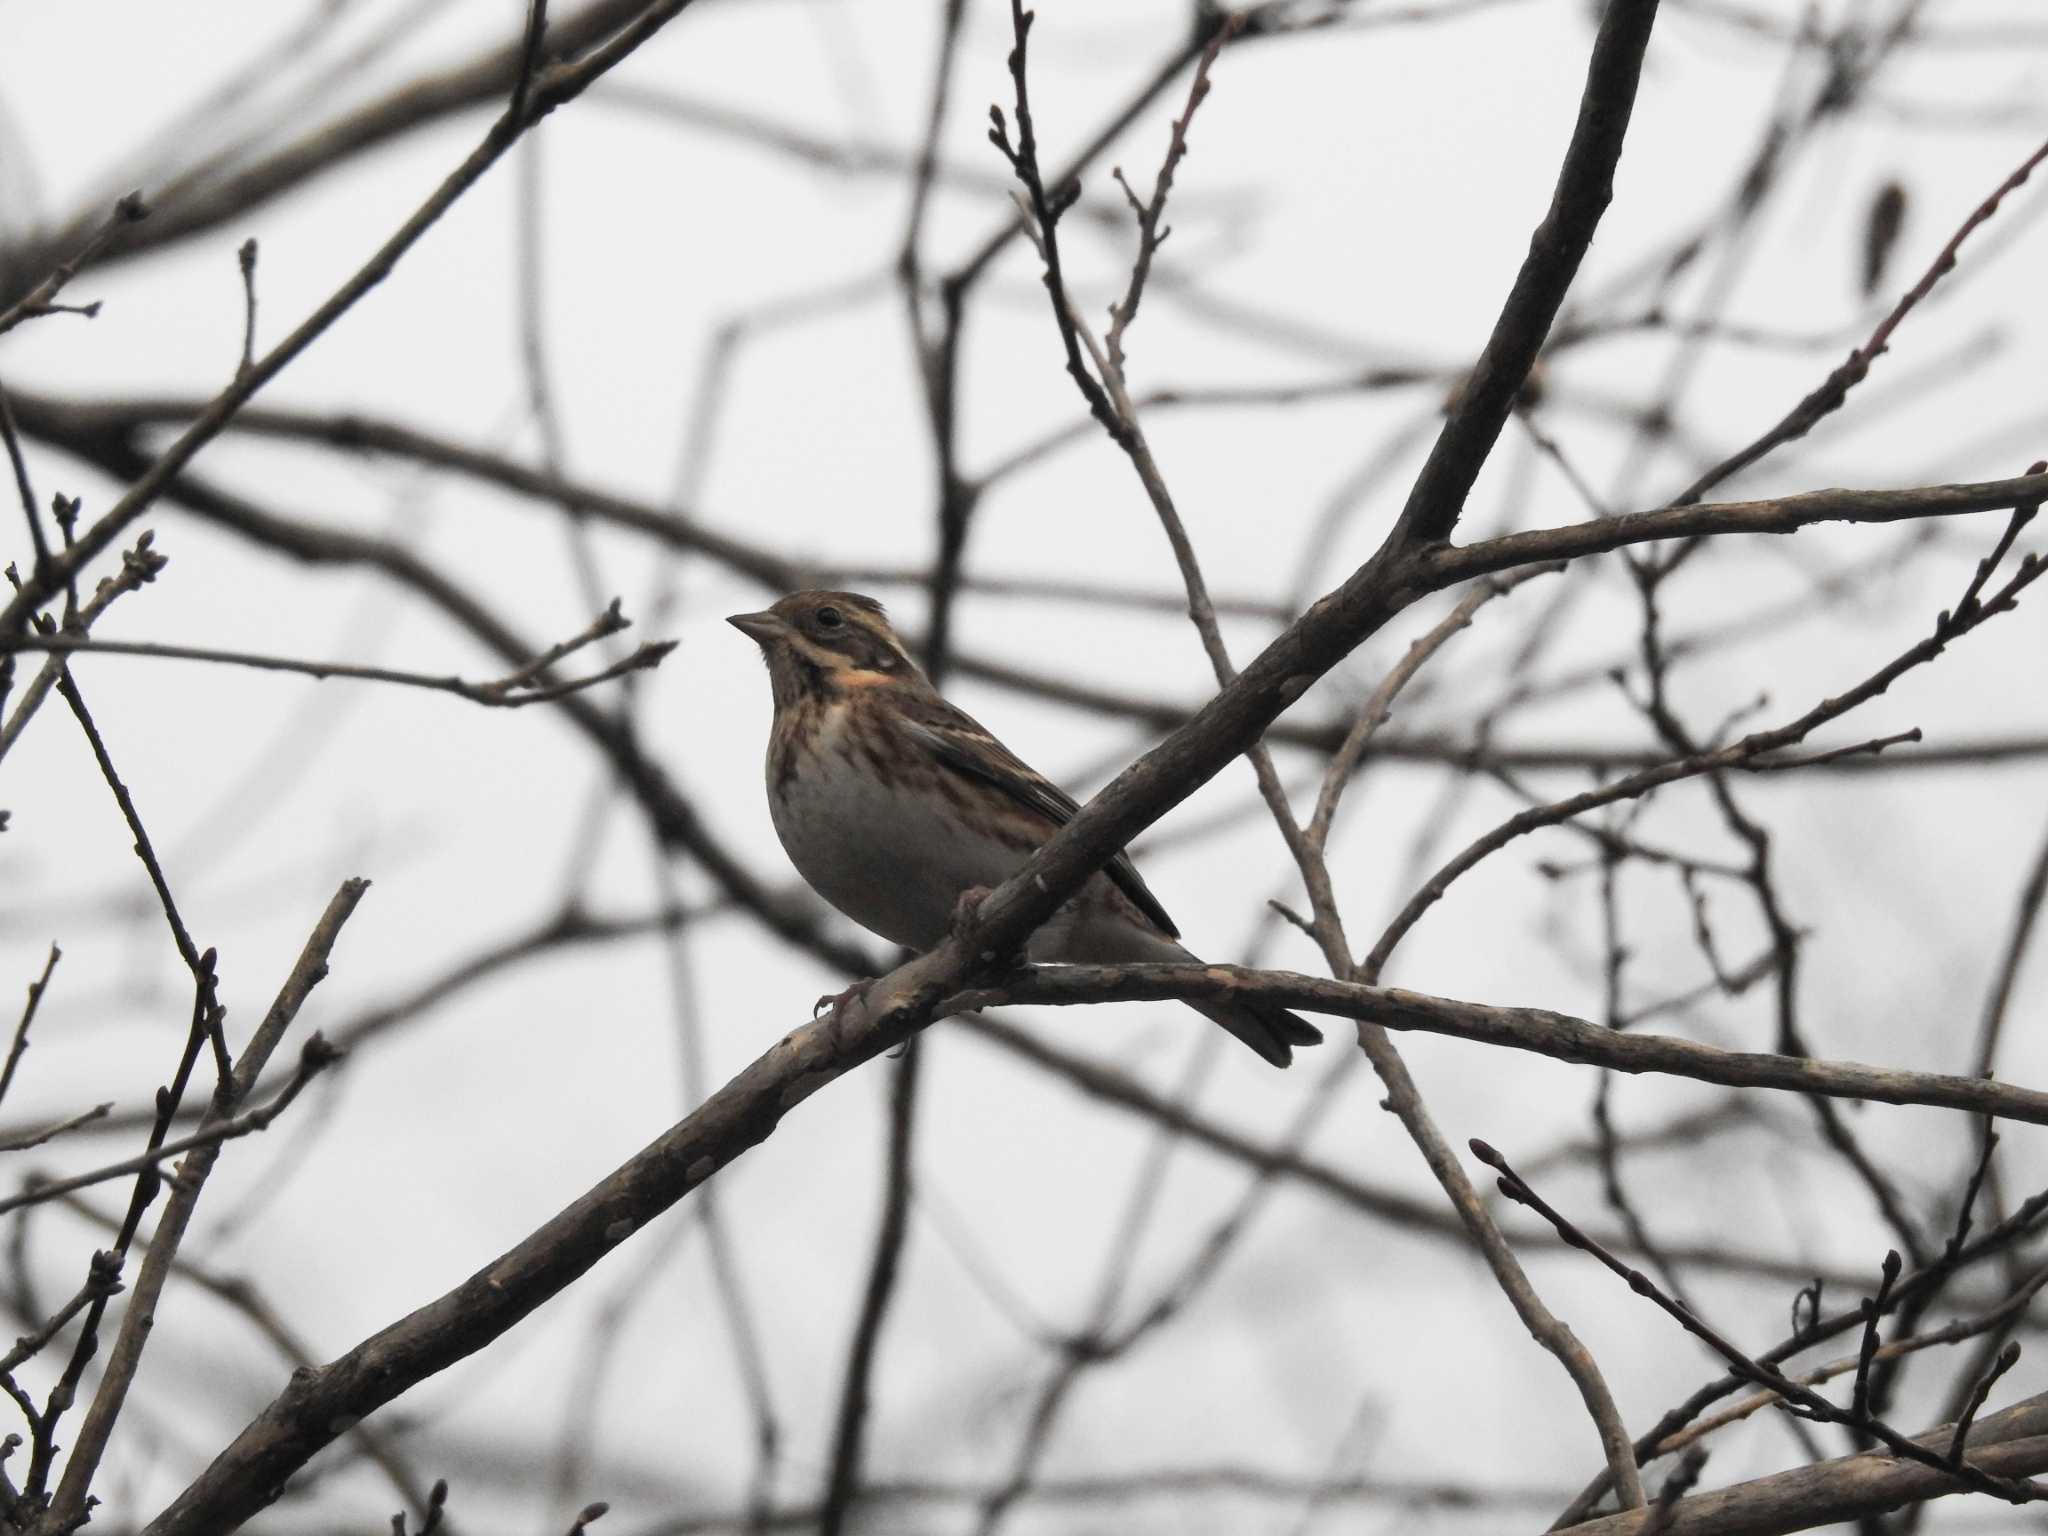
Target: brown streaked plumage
point(892, 803)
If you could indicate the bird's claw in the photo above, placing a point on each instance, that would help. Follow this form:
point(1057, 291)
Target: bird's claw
point(837, 1001)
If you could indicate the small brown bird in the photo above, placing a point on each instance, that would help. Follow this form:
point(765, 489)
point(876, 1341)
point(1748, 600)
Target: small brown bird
point(893, 804)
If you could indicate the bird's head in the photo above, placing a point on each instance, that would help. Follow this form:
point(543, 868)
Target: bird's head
point(821, 643)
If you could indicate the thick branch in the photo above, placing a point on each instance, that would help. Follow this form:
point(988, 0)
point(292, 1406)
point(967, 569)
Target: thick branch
point(1585, 186)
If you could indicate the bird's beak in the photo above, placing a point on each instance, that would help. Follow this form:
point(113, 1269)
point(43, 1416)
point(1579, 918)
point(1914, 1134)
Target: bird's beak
point(761, 628)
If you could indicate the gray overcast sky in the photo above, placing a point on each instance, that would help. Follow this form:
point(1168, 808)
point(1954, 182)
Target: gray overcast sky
point(1354, 197)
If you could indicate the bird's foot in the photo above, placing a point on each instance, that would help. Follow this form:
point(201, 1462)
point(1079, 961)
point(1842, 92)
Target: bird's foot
point(962, 923)
point(837, 1001)
point(964, 909)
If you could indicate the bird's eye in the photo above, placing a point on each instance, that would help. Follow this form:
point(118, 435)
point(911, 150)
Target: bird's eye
point(830, 618)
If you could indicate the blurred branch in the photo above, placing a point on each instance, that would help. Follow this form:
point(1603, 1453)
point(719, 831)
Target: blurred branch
point(1833, 393)
point(25, 1140)
point(202, 200)
point(666, 807)
point(1398, 1210)
point(1112, 1490)
point(314, 1059)
point(1759, 748)
point(41, 299)
point(1618, 55)
point(839, 153)
point(750, 1106)
point(36, 989)
point(2026, 914)
point(99, 432)
point(938, 354)
point(242, 1297)
point(843, 1478)
point(558, 85)
point(11, 440)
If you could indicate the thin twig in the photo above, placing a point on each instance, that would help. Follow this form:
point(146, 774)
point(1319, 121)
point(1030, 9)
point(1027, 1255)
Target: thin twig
point(40, 300)
point(139, 566)
point(1834, 390)
point(246, 256)
point(1834, 754)
point(842, 1483)
point(1953, 1333)
point(1801, 1398)
point(552, 89)
point(1045, 209)
point(515, 691)
point(70, 1500)
point(22, 486)
point(316, 1057)
point(103, 1279)
point(49, 1133)
point(2026, 914)
point(36, 989)
point(1151, 233)
point(201, 966)
point(1737, 754)
point(1378, 707)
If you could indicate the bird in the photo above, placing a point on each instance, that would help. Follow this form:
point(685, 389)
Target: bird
point(894, 805)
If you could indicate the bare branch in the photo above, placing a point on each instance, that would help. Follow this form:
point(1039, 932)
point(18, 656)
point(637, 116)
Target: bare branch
point(530, 47)
point(1834, 391)
point(1802, 1398)
point(512, 692)
point(2013, 1444)
point(314, 1059)
point(140, 1316)
point(1530, 1029)
point(139, 566)
point(36, 989)
point(246, 256)
point(557, 86)
point(41, 299)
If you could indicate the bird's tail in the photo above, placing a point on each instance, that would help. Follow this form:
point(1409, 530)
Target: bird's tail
point(1268, 1029)
point(1121, 938)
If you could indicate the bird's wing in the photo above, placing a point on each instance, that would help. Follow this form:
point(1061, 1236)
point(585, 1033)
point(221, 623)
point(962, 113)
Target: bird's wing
point(960, 743)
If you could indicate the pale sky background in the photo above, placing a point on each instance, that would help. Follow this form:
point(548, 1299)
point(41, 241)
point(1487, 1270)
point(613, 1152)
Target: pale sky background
point(1370, 191)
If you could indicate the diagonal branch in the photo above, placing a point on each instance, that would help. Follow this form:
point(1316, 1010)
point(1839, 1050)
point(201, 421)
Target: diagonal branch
point(1585, 186)
point(41, 299)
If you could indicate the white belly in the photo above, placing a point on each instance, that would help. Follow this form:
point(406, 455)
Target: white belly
point(893, 859)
